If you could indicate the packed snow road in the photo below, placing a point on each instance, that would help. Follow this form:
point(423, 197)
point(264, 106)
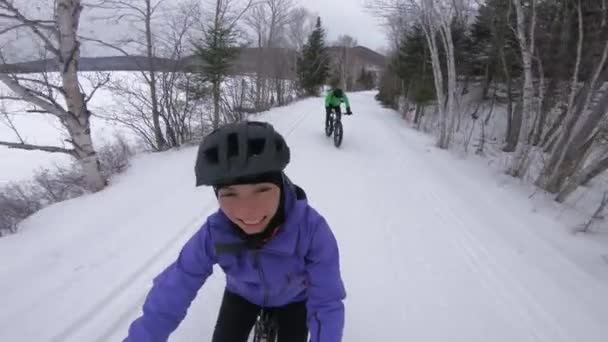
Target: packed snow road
point(431, 250)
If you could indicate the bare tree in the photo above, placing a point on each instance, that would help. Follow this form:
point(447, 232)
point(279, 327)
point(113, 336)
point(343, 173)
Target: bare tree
point(59, 38)
point(595, 167)
point(270, 21)
point(140, 14)
point(161, 112)
point(299, 27)
point(583, 116)
point(526, 39)
point(344, 65)
point(258, 21)
point(436, 18)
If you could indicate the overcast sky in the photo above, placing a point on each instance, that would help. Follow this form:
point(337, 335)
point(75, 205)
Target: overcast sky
point(348, 17)
point(338, 17)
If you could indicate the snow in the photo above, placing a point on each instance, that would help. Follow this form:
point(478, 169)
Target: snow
point(433, 247)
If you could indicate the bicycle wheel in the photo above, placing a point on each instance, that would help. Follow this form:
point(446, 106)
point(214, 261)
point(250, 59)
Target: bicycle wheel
point(329, 127)
point(338, 132)
point(265, 329)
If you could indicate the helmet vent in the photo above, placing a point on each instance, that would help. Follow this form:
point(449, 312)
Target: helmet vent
point(233, 145)
point(212, 155)
point(256, 146)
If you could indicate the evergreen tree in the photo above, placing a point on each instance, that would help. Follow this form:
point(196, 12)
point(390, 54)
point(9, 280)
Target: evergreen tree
point(414, 66)
point(217, 52)
point(313, 63)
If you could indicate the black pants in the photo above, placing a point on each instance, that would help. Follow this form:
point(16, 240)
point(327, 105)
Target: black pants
point(237, 317)
point(328, 110)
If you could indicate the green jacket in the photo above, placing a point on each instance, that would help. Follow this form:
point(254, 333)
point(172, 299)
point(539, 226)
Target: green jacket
point(333, 101)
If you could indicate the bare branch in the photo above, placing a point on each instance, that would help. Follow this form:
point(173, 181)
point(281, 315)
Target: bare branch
point(9, 122)
point(118, 5)
point(44, 83)
point(52, 149)
point(119, 49)
point(33, 96)
point(99, 84)
point(38, 111)
point(34, 25)
point(155, 7)
point(10, 28)
point(12, 98)
point(238, 17)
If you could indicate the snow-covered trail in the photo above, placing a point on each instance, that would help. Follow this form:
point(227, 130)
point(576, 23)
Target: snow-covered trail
point(436, 253)
point(432, 250)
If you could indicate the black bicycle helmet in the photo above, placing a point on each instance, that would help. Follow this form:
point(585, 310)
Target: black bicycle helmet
point(239, 150)
point(338, 93)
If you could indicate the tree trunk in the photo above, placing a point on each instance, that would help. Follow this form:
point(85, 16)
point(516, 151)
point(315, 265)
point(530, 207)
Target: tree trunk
point(418, 114)
point(541, 118)
point(522, 151)
point(216, 82)
point(552, 95)
point(583, 177)
point(488, 81)
point(572, 171)
point(602, 165)
point(514, 129)
point(554, 172)
point(569, 114)
point(216, 103)
point(452, 104)
point(513, 125)
point(578, 148)
point(78, 119)
point(158, 133)
point(551, 135)
point(430, 34)
point(484, 123)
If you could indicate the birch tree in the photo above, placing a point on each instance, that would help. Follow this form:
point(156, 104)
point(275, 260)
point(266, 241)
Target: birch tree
point(525, 36)
point(58, 36)
point(435, 17)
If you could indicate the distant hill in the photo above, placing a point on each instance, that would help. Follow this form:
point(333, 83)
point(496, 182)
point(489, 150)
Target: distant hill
point(250, 60)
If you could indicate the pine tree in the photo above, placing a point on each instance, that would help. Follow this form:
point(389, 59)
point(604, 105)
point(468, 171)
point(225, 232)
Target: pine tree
point(217, 52)
point(413, 66)
point(313, 64)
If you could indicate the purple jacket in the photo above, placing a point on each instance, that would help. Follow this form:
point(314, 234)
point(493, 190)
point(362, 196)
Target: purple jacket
point(300, 263)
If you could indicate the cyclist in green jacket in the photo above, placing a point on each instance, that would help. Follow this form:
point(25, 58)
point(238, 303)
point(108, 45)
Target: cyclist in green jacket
point(334, 98)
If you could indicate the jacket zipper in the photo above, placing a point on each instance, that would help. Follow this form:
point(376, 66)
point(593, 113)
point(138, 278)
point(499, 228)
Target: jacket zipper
point(256, 259)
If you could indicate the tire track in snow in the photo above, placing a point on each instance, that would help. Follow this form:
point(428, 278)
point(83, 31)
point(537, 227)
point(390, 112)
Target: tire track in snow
point(501, 287)
point(105, 302)
point(453, 217)
point(496, 279)
point(295, 124)
point(549, 300)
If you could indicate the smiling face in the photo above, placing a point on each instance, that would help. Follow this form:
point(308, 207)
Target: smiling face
point(250, 206)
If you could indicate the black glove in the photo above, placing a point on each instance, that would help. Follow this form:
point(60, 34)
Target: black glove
point(348, 112)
